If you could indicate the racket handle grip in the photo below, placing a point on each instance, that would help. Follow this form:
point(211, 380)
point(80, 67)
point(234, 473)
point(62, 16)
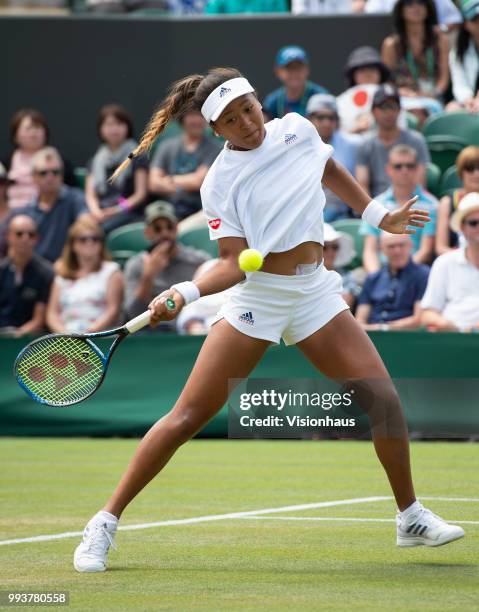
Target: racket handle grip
point(138, 322)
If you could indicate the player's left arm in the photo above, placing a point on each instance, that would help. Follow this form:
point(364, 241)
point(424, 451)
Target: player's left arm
point(345, 186)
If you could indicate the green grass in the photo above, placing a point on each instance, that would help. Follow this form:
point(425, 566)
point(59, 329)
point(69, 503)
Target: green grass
point(55, 485)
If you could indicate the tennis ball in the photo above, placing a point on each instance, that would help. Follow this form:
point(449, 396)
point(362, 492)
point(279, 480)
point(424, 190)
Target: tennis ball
point(250, 260)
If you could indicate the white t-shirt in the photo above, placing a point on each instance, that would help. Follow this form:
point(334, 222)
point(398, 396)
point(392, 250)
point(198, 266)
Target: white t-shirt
point(271, 195)
point(453, 289)
point(83, 301)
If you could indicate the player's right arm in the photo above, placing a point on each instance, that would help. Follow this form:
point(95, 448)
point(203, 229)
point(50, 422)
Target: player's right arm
point(225, 274)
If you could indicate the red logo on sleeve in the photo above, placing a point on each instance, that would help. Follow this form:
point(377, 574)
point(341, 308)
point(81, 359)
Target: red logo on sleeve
point(214, 223)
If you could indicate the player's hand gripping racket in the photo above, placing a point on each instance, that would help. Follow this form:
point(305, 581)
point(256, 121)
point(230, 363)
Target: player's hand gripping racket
point(64, 369)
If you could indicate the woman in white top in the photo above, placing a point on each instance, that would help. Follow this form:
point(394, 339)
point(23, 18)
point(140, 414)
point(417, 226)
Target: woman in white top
point(464, 63)
point(87, 292)
point(264, 191)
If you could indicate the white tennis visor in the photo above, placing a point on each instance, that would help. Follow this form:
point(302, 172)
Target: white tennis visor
point(225, 93)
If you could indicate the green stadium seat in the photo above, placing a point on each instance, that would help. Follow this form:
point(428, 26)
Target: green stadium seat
point(462, 125)
point(450, 181)
point(80, 176)
point(126, 241)
point(433, 178)
point(200, 239)
point(351, 227)
point(447, 134)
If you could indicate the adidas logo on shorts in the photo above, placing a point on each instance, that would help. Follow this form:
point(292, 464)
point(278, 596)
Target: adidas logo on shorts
point(289, 138)
point(247, 317)
point(224, 91)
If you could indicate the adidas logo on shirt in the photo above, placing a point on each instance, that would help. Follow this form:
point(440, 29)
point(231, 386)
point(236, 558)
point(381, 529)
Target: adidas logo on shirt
point(247, 317)
point(224, 91)
point(289, 138)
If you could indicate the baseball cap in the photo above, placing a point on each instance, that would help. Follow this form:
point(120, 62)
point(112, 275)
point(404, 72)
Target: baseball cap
point(320, 102)
point(289, 54)
point(159, 209)
point(469, 8)
point(386, 92)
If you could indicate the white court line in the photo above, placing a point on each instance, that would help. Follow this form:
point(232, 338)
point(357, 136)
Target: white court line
point(339, 519)
point(232, 515)
point(203, 519)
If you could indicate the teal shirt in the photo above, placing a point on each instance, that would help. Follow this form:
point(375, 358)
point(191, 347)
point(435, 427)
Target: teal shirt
point(215, 7)
point(426, 202)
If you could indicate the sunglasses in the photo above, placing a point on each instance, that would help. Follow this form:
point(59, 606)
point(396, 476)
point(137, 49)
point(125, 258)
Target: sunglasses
point(411, 2)
point(84, 239)
point(53, 171)
point(29, 233)
point(408, 166)
point(388, 106)
point(161, 227)
point(331, 247)
point(324, 117)
point(472, 222)
point(471, 167)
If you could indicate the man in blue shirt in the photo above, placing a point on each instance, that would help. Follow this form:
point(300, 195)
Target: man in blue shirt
point(403, 170)
point(390, 298)
point(322, 111)
point(56, 207)
point(292, 69)
point(25, 280)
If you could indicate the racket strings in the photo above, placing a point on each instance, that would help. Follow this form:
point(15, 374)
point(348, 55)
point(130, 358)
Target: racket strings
point(60, 370)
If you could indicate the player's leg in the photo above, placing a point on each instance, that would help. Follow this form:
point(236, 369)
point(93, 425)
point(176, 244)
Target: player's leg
point(343, 351)
point(225, 354)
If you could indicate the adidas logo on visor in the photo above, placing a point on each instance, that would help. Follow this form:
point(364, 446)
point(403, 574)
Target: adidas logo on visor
point(289, 138)
point(247, 317)
point(224, 91)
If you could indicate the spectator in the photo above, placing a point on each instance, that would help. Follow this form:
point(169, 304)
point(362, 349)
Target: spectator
point(374, 150)
point(448, 15)
point(180, 164)
point(29, 133)
point(214, 7)
point(338, 252)
point(25, 280)
point(196, 318)
point(166, 262)
point(292, 69)
point(417, 55)
point(467, 165)
point(322, 111)
point(390, 298)
point(451, 301)
point(402, 168)
point(464, 61)
point(325, 7)
point(87, 292)
point(365, 71)
point(4, 209)
point(56, 207)
point(120, 202)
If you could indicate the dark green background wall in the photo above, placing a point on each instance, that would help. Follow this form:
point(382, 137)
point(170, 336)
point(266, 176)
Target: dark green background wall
point(147, 375)
point(69, 67)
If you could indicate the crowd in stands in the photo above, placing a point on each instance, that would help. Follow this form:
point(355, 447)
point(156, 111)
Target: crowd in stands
point(56, 271)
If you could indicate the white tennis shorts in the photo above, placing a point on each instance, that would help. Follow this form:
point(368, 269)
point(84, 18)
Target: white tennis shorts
point(274, 306)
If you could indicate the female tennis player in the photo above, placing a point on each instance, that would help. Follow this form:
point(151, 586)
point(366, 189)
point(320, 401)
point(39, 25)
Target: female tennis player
point(264, 192)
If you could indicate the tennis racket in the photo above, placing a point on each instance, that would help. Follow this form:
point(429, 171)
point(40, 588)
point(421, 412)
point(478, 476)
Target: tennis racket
point(65, 369)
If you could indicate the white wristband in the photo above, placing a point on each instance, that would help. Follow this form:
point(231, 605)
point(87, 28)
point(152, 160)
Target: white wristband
point(374, 213)
point(188, 290)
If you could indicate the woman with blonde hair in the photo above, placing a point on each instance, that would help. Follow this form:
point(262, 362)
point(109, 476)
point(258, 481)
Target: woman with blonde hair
point(87, 291)
point(467, 165)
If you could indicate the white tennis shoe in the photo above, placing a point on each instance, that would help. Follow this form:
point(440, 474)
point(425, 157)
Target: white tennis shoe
point(425, 528)
point(91, 554)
